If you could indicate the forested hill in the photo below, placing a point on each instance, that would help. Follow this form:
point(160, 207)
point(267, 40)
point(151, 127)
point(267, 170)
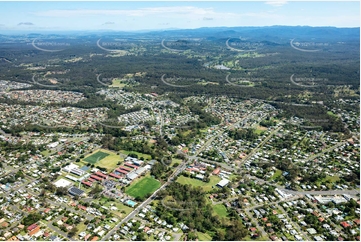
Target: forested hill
point(269, 33)
point(273, 32)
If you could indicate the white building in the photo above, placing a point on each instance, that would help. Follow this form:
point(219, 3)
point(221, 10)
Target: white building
point(63, 183)
point(223, 182)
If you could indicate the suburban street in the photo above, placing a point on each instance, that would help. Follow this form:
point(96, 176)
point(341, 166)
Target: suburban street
point(130, 216)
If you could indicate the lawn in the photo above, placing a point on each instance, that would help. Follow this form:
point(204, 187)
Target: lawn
point(198, 183)
point(45, 153)
point(144, 186)
point(81, 227)
point(331, 179)
point(220, 210)
point(120, 206)
point(175, 160)
point(204, 236)
point(260, 130)
point(248, 238)
point(145, 156)
point(185, 133)
point(93, 158)
point(203, 130)
point(108, 161)
point(331, 114)
point(328, 180)
point(117, 83)
point(277, 174)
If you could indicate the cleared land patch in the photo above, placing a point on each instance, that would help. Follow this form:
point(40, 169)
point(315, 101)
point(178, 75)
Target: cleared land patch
point(204, 236)
point(220, 210)
point(198, 183)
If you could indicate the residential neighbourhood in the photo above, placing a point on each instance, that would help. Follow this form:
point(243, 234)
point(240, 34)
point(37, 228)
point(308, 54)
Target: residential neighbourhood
point(206, 133)
point(72, 188)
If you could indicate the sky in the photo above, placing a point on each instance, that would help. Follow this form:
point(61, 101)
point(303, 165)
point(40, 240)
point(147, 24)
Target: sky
point(151, 15)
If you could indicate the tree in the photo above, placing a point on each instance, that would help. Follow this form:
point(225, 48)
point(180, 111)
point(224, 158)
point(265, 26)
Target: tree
point(95, 190)
point(31, 219)
point(61, 191)
point(220, 235)
point(73, 231)
point(142, 236)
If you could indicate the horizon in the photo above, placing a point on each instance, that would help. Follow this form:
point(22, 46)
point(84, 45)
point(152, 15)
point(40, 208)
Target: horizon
point(9, 32)
point(155, 16)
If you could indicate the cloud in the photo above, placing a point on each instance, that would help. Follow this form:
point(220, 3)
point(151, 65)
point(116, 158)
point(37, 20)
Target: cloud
point(141, 12)
point(108, 23)
point(207, 19)
point(25, 23)
point(276, 3)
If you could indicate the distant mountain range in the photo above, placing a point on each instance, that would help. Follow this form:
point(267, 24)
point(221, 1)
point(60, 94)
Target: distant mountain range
point(273, 33)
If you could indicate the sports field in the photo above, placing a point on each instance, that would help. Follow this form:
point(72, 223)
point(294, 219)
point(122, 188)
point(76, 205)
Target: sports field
point(103, 158)
point(96, 157)
point(143, 187)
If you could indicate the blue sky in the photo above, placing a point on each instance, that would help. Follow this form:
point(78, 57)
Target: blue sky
point(149, 15)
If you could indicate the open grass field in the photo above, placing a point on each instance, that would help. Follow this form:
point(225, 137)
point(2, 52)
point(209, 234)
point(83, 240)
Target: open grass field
point(220, 210)
point(93, 158)
point(143, 187)
point(175, 160)
point(198, 183)
point(117, 83)
point(122, 211)
point(204, 236)
point(45, 153)
point(329, 180)
point(260, 129)
point(248, 238)
point(145, 156)
point(107, 159)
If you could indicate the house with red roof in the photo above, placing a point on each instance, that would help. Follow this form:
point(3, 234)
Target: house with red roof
point(216, 171)
point(125, 168)
point(122, 171)
point(31, 227)
point(82, 207)
point(345, 224)
point(96, 177)
point(253, 229)
point(98, 173)
point(115, 175)
point(89, 184)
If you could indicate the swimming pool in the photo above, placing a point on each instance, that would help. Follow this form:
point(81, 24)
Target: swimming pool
point(130, 203)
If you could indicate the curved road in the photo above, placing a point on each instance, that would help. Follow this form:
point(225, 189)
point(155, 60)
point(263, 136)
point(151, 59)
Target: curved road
point(296, 48)
point(172, 85)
